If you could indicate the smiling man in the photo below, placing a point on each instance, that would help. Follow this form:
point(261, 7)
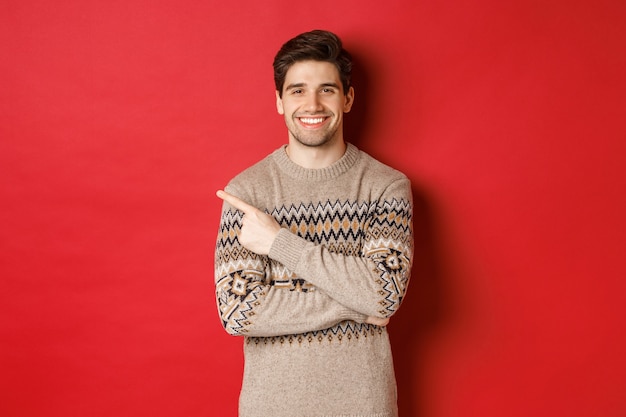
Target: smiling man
point(314, 252)
point(313, 102)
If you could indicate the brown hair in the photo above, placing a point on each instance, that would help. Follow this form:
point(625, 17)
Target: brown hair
point(316, 45)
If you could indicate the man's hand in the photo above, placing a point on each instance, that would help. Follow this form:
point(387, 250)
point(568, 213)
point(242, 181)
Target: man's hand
point(377, 321)
point(258, 229)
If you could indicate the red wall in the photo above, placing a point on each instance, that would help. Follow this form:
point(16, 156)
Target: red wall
point(119, 120)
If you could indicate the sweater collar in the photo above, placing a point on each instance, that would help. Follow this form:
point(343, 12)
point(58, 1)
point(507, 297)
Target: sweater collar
point(338, 168)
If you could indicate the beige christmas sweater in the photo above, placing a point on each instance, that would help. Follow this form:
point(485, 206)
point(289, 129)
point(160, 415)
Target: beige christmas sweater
point(344, 253)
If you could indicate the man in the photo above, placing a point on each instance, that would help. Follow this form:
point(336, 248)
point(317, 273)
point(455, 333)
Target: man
point(314, 253)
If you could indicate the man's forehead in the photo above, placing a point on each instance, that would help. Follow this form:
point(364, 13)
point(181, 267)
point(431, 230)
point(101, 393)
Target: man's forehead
point(313, 69)
point(312, 74)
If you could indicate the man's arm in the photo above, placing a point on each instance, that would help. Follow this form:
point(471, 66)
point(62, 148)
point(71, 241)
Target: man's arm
point(373, 284)
point(249, 305)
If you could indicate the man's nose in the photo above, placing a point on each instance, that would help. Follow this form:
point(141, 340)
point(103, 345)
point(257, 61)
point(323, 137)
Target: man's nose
point(313, 103)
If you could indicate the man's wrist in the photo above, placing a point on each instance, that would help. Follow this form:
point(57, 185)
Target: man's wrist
point(287, 248)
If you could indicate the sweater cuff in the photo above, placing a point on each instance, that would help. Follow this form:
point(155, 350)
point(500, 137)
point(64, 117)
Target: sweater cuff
point(354, 316)
point(287, 249)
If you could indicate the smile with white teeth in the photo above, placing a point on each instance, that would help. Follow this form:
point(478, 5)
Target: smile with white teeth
point(311, 120)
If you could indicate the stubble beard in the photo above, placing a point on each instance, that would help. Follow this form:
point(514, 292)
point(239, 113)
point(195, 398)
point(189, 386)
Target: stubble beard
point(312, 142)
point(312, 139)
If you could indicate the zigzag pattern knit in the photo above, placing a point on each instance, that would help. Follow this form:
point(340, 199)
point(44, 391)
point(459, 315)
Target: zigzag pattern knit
point(344, 253)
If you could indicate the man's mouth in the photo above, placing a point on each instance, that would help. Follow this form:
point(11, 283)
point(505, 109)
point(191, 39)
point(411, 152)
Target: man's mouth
point(312, 121)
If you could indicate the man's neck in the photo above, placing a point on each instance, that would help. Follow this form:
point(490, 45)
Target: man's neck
point(315, 157)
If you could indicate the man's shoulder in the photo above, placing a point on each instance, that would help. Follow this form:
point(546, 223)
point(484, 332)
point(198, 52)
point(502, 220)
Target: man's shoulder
point(377, 169)
point(253, 176)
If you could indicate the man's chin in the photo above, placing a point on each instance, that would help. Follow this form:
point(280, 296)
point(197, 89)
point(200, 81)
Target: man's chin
point(312, 142)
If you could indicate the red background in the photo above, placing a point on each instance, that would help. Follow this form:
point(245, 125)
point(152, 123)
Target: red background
point(119, 120)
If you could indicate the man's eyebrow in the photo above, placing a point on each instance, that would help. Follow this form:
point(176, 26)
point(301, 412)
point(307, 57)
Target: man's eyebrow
point(295, 85)
point(300, 85)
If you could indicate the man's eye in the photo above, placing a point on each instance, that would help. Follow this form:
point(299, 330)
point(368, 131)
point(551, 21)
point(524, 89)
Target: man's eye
point(296, 92)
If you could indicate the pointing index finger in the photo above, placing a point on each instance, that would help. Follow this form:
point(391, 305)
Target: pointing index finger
point(236, 202)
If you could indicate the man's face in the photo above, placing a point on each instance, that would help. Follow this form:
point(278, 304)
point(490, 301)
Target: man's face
point(313, 103)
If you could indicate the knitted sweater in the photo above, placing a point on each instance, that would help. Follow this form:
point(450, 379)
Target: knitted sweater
point(343, 253)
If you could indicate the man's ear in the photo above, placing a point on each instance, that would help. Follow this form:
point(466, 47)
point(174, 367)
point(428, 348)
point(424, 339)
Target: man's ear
point(349, 100)
point(279, 103)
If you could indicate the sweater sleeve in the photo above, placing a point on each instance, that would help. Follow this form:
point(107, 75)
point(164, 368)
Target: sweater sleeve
point(372, 283)
point(252, 303)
